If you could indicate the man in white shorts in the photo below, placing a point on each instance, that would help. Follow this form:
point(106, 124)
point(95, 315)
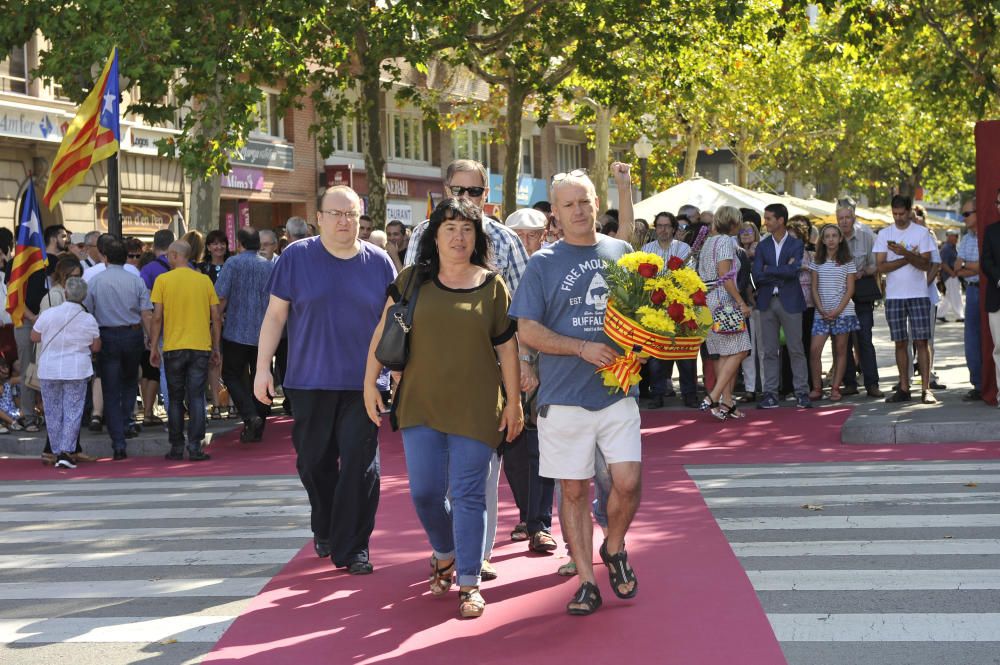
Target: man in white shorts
point(560, 306)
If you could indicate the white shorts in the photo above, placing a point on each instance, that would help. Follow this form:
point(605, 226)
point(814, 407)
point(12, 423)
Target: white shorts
point(568, 437)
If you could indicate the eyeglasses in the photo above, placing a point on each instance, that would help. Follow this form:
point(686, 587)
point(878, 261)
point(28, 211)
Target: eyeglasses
point(576, 173)
point(474, 192)
point(135, 256)
point(746, 232)
point(966, 213)
point(352, 215)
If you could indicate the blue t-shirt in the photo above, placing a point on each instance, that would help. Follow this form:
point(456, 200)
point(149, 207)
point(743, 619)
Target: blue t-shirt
point(334, 306)
point(564, 289)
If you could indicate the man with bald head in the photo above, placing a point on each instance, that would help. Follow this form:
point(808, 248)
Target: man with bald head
point(330, 289)
point(186, 310)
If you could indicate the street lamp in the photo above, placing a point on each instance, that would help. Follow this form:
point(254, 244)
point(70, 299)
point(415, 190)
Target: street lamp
point(643, 149)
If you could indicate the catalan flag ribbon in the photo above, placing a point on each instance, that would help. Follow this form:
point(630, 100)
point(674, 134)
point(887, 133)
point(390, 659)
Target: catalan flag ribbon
point(93, 135)
point(29, 254)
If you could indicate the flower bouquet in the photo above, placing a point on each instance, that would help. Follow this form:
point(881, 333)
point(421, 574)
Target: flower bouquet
point(652, 312)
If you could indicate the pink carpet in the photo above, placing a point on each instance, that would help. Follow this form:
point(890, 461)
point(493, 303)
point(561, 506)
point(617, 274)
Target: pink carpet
point(695, 603)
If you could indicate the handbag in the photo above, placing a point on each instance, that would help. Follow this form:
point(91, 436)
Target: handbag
point(31, 379)
point(867, 290)
point(726, 319)
point(394, 347)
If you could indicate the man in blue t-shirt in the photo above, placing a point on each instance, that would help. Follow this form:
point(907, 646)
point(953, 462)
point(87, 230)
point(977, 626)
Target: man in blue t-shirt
point(560, 306)
point(330, 290)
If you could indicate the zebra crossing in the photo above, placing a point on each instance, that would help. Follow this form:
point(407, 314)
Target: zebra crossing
point(891, 563)
point(127, 571)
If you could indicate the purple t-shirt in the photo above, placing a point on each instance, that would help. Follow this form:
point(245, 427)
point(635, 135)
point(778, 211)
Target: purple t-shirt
point(334, 306)
point(154, 269)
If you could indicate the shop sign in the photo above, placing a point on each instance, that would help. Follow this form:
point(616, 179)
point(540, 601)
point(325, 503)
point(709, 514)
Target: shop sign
point(140, 220)
point(243, 210)
point(251, 180)
point(265, 155)
point(397, 187)
point(231, 230)
point(401, 211)
point(37, 125)
point(339, 176)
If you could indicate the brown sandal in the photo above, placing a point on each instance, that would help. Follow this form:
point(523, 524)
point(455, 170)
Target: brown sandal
point(471, 603)
point(441, 578)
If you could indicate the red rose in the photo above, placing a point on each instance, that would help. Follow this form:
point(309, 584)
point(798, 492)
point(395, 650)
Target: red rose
point(647, 270)
point(657, 297)
point(675, 263)
point(698, 298)
point(676, 312)
point(691, 324)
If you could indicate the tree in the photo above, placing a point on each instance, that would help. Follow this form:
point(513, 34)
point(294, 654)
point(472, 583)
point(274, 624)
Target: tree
point(200, 62)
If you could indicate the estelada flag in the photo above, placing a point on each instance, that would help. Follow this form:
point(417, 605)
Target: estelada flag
point(29, 254)
point(93, 135)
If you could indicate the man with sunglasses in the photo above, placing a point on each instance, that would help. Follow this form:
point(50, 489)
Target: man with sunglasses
point(466, 178)
point(991, 272)
point(967, 268)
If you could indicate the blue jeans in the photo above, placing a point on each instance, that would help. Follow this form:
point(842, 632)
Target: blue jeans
point(187, 374)
point(973, 348)
point(120, 357)
point(436, 461)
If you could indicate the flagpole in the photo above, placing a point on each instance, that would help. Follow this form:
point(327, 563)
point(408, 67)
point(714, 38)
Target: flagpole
point(114, 198)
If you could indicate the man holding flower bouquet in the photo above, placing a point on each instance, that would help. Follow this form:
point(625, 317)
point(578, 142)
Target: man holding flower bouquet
point(560, 306)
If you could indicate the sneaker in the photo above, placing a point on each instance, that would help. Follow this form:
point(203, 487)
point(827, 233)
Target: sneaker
point(769, 401)
point(802, 401)
point(64, 462)
point(873, 391)
point(937, 386)
point(198, 456)
point(175, 455)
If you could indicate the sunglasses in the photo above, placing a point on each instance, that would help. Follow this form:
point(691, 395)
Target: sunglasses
point(135, 256)
point(966, 213)
point(472, 191)
point(576, 173)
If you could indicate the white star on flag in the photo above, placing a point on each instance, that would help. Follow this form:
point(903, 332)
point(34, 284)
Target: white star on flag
point(109, 100)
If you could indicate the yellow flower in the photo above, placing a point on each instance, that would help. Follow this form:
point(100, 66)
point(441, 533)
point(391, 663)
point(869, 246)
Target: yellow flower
point(632, 260)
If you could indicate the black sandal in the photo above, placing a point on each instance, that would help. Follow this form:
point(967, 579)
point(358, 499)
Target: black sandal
point(619, 571)
point(899, 396)
point(589, 596)
point(708, 405)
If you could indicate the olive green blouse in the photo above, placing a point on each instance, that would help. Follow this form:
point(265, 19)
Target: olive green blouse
point(452, 382)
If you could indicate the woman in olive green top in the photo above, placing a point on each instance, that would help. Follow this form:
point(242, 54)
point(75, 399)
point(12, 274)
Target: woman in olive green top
point(449, 405)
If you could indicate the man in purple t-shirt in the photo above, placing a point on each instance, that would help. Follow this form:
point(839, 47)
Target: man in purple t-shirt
point(162, 240)
point(330, 290)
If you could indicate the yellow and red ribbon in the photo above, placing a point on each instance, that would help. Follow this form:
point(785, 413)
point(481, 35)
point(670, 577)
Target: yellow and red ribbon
point(637, 342)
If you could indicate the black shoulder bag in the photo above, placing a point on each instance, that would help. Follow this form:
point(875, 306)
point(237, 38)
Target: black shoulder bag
point(394, 347)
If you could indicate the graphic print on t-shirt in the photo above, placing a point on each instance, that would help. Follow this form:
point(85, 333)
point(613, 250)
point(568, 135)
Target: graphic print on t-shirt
point(587, 309)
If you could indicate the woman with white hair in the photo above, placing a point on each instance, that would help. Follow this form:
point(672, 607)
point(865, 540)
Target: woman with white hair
point(68, 335)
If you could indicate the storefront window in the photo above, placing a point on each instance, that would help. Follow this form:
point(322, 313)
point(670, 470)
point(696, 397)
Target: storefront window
point(407, 139)
point(14, 72)
point(527, 157)
point(472, 143)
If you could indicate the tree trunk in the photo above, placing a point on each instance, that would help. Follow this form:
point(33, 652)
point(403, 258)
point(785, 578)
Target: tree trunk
point(512, 131)
point(789, 182)
point(691, 154)
point(742, 162)
point(205, 204)
point(372, 106)
point(602, 154)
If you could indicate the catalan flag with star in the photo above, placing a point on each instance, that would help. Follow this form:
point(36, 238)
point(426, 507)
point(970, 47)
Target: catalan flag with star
point(29, 254)
point(93, 135)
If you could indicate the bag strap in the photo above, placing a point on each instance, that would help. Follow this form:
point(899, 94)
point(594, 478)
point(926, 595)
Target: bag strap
point(410, 303)
point(39, 357)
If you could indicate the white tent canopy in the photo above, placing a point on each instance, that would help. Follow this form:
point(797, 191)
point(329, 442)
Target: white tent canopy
point(706, 195)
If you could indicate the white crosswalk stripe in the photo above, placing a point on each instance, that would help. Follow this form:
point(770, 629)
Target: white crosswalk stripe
point(861, 556)
point(76, 556)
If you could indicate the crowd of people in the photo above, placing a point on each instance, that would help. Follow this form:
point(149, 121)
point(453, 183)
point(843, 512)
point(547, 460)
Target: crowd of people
point(504, 331)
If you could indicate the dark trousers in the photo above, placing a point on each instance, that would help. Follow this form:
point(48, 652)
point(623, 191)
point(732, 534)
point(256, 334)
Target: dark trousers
point(540, 490)
point(866, 349)
point(239, 367)
point(660, 370)
point(187, 376)
point(516, 468)
point(121, 353)
point(280, 365)
point(338, 462)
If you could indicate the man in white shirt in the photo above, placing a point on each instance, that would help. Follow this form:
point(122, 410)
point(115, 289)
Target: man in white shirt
point(102, 265)
point(903, 255)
